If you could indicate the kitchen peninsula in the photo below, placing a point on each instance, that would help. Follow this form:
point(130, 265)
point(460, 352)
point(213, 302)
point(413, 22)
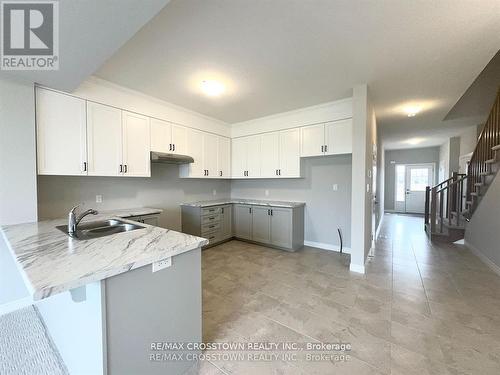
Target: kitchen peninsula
point(105, 300)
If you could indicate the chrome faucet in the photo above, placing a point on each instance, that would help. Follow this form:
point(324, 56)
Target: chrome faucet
point(73, 221)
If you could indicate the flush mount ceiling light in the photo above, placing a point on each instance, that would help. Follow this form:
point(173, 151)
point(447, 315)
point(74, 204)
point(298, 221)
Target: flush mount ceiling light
point(411, 111)
point(212, 87)
point(414, 141)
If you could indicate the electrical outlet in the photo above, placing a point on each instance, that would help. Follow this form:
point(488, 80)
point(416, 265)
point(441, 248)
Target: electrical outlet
point(335, 187)
point(162, 264)
point(214, 192)
point(98, 198)
point(266, 192)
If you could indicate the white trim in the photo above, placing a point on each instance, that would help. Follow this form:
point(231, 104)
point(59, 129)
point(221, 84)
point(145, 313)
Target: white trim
point(15, 305)
point(326, 246)
point(356, 268)
point(494, 267)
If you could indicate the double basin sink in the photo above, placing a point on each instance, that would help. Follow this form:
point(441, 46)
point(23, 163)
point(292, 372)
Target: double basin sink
point(101, 228)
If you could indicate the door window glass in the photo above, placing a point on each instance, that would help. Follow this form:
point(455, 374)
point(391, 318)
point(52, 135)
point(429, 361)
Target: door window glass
point(400, 183)
point(419, 179)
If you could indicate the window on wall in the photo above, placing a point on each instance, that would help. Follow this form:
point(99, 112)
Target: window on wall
point(400, 183)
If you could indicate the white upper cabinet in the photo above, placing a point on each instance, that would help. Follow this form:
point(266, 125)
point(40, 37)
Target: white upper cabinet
point(269, 154)
point(253, 156)
point(223, 157)
point(312, 140)
point(326, 139)
point(61, 134)
point(104, 140)
point(289, 153)
point(161, 136)
point(338, 137)
point(195, 150)
point(210, 145)
point(239, 157)
point(180, 140)
point(136, 145)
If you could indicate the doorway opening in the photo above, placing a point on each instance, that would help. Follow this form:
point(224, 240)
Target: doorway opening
point(411, 181)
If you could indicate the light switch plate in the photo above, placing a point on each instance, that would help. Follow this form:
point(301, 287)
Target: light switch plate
point(335, 187)
point(214, 192)
point(266, 192)
point(98, 198)
point(162, 264)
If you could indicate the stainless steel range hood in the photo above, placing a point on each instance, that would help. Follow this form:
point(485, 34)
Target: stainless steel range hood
point(164, 158)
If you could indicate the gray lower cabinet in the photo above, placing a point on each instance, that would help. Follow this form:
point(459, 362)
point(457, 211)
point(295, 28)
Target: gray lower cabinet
point(146, 219)
point(279, 227)
point(261, 224)
point(242, 221)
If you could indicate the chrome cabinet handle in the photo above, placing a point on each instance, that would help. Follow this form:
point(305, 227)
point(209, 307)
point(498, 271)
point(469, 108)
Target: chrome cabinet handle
point(85, 166)
point(121, 168)
point(125, 168)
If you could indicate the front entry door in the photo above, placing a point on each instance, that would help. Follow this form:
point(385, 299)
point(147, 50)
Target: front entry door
point(417, 178)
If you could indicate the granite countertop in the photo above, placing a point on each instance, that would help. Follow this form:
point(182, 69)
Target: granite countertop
point(255, 202)
point(123, 213)
point(52, 262)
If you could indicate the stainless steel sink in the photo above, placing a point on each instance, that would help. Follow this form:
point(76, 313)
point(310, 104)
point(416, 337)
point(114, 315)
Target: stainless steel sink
point(102, 228)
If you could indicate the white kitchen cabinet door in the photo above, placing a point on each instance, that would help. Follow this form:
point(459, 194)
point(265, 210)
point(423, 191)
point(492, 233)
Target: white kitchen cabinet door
point(136, 145)
point(180, 140)
point(281, 227)
point(253, 156)
point(195, 150)
point(269, 155)
point(242, 221)
point(338, 137)
point(312, 140)
point(239, 148)
point(223, 157)
point(161, 136)
point(210, 143)
point(61, 134)
point(261, 224)
point(289, 151)
point(104, 140)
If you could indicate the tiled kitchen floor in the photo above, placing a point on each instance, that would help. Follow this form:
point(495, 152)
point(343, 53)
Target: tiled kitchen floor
point(421, 308)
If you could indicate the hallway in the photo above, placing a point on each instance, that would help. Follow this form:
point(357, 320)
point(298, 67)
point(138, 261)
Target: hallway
point(421, 308)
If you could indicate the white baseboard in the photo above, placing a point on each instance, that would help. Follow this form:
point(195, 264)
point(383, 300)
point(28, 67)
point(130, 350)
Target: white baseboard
point(327, 246)
point(495, 268)
point(357, 268)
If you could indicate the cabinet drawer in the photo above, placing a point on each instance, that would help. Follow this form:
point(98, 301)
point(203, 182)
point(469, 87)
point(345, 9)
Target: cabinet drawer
point(213, 237)
point(210, 227)
point(210, 211)
point(210, 219)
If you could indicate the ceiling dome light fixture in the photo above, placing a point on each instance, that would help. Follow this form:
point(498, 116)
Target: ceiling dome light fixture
point(412, 111)
point(212, 87)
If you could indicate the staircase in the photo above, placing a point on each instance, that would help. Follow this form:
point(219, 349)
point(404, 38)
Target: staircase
point(450, 204)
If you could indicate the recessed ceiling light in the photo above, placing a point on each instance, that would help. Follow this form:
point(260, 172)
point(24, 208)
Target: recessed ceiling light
point(212, 88)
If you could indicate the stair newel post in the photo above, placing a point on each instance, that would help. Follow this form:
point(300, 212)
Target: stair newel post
point(427, 204)
point(433, 209)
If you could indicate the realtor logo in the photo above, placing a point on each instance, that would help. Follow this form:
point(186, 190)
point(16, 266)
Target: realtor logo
point(30, 35)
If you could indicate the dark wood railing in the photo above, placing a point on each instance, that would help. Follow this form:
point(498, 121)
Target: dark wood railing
point(447, 201)
point(484, 154)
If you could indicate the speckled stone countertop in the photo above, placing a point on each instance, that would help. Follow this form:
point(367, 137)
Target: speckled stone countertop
point(254, 202)
point(52, 262)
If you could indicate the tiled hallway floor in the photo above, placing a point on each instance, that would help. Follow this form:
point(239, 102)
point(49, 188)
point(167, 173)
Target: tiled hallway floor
point(421, 308)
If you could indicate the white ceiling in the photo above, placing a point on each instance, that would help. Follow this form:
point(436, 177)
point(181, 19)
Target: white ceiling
point(282, 55)
point(90, 31)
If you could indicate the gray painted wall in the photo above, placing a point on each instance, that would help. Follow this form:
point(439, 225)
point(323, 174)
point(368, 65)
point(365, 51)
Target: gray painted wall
point(483, 231)
point(325, 209)
point(406, 156)
point(57, 194)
